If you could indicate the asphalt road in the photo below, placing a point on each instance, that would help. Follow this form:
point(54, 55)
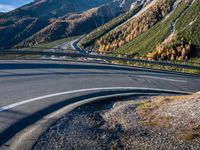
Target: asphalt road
point(29, 87)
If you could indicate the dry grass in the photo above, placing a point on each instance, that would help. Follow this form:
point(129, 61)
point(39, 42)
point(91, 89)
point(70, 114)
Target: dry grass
point(155, 113)
point(157, 121)
point(154, 123)
point(146, 107)
point(189, 135)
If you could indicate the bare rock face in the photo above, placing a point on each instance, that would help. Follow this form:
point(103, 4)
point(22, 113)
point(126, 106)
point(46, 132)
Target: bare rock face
point(47, 20)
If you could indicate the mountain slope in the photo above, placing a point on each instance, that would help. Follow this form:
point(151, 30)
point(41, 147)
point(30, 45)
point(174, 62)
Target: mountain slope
point(75, 24)
point(151, 43)
point(89, 40)
point(146, 34)
point(188, 26)
point(149, 15)
point(58, 19)
point(138, 25)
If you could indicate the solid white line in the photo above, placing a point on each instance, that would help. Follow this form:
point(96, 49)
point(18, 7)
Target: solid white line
point(167, 79)
point(81, 90)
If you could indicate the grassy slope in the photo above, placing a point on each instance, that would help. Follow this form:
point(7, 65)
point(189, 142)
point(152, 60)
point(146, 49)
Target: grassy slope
point(191, 32)
point(147, 41)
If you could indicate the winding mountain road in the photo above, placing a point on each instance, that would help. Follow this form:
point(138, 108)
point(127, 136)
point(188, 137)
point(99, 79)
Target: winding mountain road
point(27, 88)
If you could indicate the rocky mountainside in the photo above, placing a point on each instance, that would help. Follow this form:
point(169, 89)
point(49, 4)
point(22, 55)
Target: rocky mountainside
point(48, 20)
point(161, 30)
point(54, 8)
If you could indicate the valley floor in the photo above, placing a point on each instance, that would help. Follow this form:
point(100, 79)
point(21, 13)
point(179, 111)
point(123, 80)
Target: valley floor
point(140, 123)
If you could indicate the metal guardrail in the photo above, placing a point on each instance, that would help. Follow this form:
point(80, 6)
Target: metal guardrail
point(110, 53)
point(111, 58)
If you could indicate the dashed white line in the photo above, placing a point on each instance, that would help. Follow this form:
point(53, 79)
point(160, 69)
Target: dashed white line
point(166, 79)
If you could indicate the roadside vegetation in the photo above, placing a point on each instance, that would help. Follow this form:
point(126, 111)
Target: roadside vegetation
point(162, 67)
point(179, 51)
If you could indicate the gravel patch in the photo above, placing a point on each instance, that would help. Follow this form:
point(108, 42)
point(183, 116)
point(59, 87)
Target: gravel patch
point(119, 125)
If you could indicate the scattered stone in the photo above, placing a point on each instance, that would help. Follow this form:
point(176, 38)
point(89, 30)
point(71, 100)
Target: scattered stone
point(121, 125)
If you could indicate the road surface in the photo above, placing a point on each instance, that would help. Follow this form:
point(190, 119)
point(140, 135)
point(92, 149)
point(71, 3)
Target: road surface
point(27, 88)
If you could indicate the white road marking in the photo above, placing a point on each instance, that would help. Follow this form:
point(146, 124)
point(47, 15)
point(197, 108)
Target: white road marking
point(82, 90)
point(167, 79)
